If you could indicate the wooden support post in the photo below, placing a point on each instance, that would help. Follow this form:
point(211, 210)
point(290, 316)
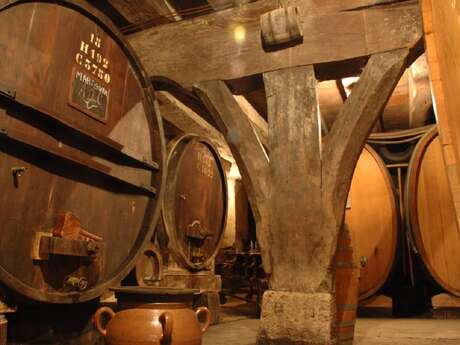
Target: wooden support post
point(295, 171)
point(302, 189)
point(247, 150)
point(299, 307)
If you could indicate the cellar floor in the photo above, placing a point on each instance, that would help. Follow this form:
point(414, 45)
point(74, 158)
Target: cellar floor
point(237, 328)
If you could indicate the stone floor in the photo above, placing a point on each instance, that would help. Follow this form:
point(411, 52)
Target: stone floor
point(239, 327)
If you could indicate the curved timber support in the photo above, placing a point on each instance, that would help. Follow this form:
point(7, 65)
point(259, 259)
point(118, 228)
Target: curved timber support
point(365, 104)
point(247, 150)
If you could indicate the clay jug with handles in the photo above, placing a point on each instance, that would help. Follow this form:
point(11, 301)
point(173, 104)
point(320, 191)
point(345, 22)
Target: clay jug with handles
point(154, 324)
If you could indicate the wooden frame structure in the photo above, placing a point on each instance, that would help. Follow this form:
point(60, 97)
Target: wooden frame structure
point(298, 190)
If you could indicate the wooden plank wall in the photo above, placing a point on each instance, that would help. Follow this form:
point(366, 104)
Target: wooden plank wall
point(442, 36)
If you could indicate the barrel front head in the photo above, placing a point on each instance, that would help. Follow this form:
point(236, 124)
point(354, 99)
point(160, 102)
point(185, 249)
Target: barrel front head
point(82, 152)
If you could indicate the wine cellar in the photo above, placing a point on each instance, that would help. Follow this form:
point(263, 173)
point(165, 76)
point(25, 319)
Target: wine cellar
point(244, 172)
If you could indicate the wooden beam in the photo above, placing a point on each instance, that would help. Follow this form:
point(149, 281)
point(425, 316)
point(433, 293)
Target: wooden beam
point(420, 97)
point(221, 4)
point(140, 11)
point(226, 45)
point(442, 35)
point(295, 171)
point(188, 104)
point(344, 143)
point(183, 95)
point(247, 150)
point(185, 119)
point(257, 121)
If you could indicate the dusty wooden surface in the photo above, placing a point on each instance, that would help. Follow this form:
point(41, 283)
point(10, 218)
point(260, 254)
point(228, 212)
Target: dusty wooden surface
point(345, 141)
point(188, 121)
point(295, 177)
point(258, 122)
point(230, 46)
point(247, 150)
point(140, 11)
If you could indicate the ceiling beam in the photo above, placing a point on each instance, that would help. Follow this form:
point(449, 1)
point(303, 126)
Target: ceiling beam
point(219, 4)
point(140, 11)
point(226, 45)
point(185, 119)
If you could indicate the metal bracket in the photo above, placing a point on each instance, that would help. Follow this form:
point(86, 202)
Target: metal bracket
point(36, 255)
point(196, 231)
point(45, 244)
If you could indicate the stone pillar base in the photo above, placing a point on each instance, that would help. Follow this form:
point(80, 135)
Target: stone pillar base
point(291, 318)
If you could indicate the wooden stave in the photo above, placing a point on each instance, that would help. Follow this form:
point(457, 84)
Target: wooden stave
point(176, 146)
point(22, 290)
point(411, 209)
point(346, 277)
point(392, 255)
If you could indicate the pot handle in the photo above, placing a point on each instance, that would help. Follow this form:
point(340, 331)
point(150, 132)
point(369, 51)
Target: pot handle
point(167, 325)
point(207, 321)
point(97, 318)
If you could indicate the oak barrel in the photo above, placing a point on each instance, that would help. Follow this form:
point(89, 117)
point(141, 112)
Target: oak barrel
point(3, 329)
point(346, 288)
point(372, 218)
point(281, 25)
point(81, 150)
point(195, 204)
point(431, 215)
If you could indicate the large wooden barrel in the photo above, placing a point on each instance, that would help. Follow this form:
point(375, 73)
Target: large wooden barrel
point(195, 204)
point(3, 329)
point(431, 213)
point(81, 150)
point(372, 218)
point(346, 287)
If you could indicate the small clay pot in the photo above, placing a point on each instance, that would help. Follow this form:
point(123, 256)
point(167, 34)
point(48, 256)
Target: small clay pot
point(153, 324)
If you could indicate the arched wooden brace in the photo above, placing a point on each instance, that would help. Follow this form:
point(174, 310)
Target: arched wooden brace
point(247, 150)
point(345, 141)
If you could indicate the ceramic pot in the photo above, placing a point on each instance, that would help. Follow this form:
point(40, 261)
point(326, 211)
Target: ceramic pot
point(154, 324)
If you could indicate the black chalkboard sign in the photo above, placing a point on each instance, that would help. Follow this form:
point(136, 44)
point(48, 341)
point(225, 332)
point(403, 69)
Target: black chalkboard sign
point(89, 95)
